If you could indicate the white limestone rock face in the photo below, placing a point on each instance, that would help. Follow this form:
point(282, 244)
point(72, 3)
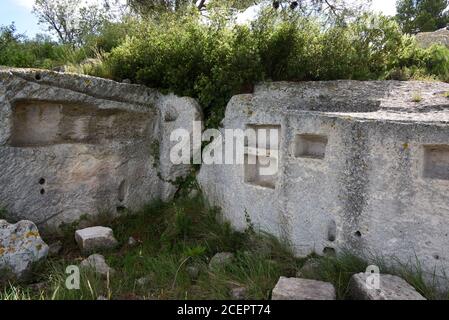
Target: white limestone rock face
point(361, 166)
point(95, 239)
point(302, 289)
point(97, 264)
point(74, 145)
point(20, 247)
point(390, 288)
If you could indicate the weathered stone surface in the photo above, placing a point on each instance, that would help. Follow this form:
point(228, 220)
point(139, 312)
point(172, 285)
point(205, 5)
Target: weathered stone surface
point(20, 247)
point(72, 145)
point(302, 289)
point(54, 248)
point(95, 239)
point(132, 242)
point(143, 281)
point(193, 272)
point(391, 288)
point(239, 293)
point(427, 39)
point(193, 194)
point(361, 165)
point(97, 263)
point(308, 269)
point(38, 287)
point(221, 259)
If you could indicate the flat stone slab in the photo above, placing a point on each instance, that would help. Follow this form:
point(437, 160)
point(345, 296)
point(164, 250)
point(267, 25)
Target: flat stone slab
point(95, 239)
point(20, 247)
point(302, 289)
point(390, 288)
point(97, 263)
point(221, 259)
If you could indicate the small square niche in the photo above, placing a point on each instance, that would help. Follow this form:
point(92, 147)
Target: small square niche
point(253, 168)
point(311, 146)
point(260, 157)
point(436, 162)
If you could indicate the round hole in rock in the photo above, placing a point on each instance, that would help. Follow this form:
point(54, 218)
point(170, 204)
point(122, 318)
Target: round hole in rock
point(120, 209)
point(437, 257)
point(42, 191)
point(328, 251)
point(41, 181)
point(37, 76)
point(122, 189)
point(358, 234)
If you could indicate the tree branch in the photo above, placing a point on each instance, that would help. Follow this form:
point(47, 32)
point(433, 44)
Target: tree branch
point(201, 5)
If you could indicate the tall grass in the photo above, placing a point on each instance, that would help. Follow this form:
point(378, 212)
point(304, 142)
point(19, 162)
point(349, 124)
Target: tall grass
point(171, 238)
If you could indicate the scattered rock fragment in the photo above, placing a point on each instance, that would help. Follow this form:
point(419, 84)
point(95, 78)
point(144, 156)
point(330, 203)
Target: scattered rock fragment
point(221, 259)
point(95, 239)
point(239, 293)
point(308, 269)
point(38, 287)
point(193, 272)
point(303, 289)
point(132, 242)
point(20, 247)
point(141, 282)
point(193, 194)
point(390, 288)
point(55, 248)
point(97, 264)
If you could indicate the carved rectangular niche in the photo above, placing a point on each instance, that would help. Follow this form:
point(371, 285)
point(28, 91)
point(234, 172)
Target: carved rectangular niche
point(436, 162)
point(41, 123)
point(310, 146)
point(262, 157)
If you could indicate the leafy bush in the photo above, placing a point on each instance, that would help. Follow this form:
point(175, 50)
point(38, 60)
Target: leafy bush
point(214, 61)
point(437, 61)
point(190, 58)
point(42, 52)
point(18, 51)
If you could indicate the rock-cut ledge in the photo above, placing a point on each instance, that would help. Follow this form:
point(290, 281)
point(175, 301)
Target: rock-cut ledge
point(74, 145)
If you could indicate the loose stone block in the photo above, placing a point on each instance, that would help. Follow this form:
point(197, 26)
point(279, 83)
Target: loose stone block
point(303, 289)
point(390, 288)
point(95, 239)
point(97, 263)
point(221, 259)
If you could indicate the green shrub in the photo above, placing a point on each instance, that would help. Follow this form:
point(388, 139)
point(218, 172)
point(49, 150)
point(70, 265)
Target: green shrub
point(42, 52)
point(212, 62)
point(437, 61)
point(190, 58)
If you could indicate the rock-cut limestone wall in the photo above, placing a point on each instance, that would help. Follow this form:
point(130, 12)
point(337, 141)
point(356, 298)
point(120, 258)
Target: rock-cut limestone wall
point(73, 145)
point(361, 166)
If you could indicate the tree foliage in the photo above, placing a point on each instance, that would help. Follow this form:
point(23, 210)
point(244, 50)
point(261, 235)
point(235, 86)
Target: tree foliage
point(212, 64)
point(72, 21)
point(334, 9)
point(422, 15)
